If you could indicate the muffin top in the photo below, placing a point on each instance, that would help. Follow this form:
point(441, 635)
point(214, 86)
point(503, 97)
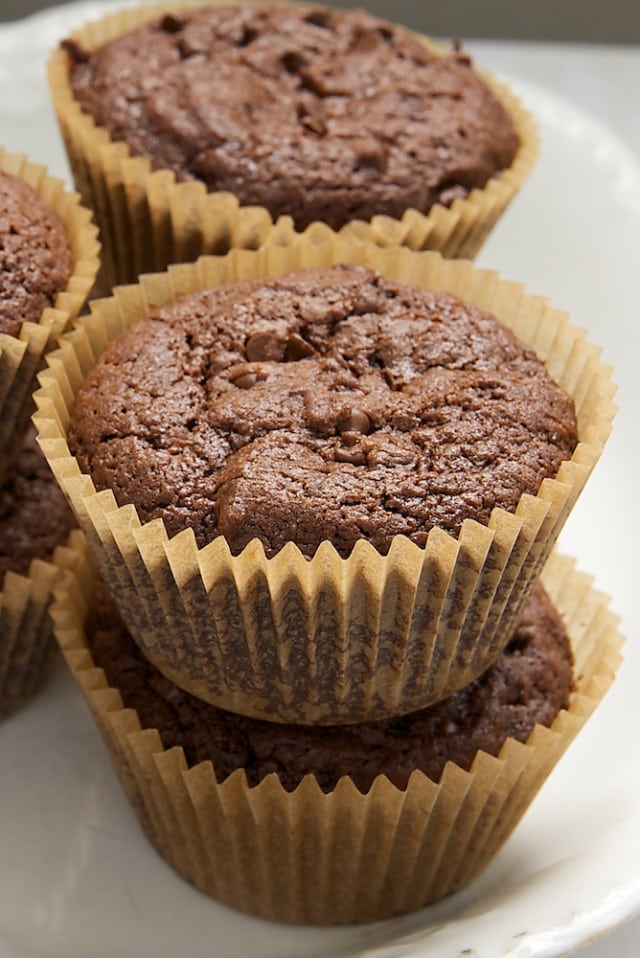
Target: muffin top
point(326, 405)
point(527, 685)
point(34, 515)
point(35, 259)
point(321, 114)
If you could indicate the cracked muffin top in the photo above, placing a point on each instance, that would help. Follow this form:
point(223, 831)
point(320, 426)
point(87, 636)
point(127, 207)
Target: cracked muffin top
point(326, 405)
point(321, 114)
point(35, 258)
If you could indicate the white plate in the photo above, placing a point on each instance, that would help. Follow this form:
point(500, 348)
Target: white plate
point(77, 878)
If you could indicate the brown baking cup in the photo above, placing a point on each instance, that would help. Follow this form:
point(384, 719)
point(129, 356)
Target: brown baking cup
point(147, 220)
point(311, 857)
point(327, 640)
point(21, 356)
point(26, 636)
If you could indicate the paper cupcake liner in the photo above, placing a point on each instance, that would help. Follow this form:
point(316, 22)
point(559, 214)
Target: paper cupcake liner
point(21, 356)
point(26, 635)
point(326, 640)
point(148, 221)
point(341, 857)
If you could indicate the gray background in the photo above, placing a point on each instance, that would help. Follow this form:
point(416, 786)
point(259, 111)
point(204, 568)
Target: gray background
point(605, 21)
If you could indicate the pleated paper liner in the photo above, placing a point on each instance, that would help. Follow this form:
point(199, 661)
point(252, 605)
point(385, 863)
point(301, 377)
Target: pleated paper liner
point(148, 221)
point(342, 857)
point(26, 635)
point(327, 640)
point(21, 356)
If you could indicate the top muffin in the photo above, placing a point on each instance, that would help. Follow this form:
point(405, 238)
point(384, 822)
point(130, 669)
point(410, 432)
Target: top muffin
point(35, 259)
point(317, 113)
point(327, 405)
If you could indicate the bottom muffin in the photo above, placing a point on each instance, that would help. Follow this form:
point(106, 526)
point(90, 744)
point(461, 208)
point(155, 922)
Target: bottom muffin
point(34, 519)
point(528, 685)
point(329, 847)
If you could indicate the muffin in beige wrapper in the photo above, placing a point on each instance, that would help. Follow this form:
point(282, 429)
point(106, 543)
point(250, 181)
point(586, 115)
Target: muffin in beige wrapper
point(147, 220)
point(21, 356)
point(331, 639)
point(342, 856)
point(34, 519)
point(25, 631)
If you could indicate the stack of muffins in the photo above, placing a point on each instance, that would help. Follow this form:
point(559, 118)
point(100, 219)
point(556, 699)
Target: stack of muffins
point(266, 407)
point(48, 263)
point(320, 479)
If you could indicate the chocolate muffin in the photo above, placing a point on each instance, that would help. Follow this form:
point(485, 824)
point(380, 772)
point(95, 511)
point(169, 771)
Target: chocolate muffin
point(34, 514)
point(48, 263)
point(34, 519)
point(189, 400)
point(365, 848)
point(528, 685)
point(35, 259)
point(317, 113)
point(328, 405)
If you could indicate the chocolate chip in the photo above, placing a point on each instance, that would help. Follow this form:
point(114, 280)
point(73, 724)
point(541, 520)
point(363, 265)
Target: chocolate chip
point(293, 61)
point(391, 457)
point(354, 455)
point(389, 378)
point(249, 34)
point(245, 376)
point(171, 24)
point(246, 381)
point(355, 420)
point(185, 48)
point(298, 348)
point(373, 157)
point(366, 42)
point(264, 347)
point(315, 83)
point(319, 18)
point(311, 114)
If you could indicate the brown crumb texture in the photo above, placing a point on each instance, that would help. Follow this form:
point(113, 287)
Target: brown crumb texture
point(318, 113)
point(34, 515)
point(35, 259)
point(326, 405)
point(528, 684)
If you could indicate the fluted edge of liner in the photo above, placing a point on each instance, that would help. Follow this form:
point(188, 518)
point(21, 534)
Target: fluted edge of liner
point(21, 356)
point(26, 633)
point(343, 857)
point(327, 639)
point(148, 220)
